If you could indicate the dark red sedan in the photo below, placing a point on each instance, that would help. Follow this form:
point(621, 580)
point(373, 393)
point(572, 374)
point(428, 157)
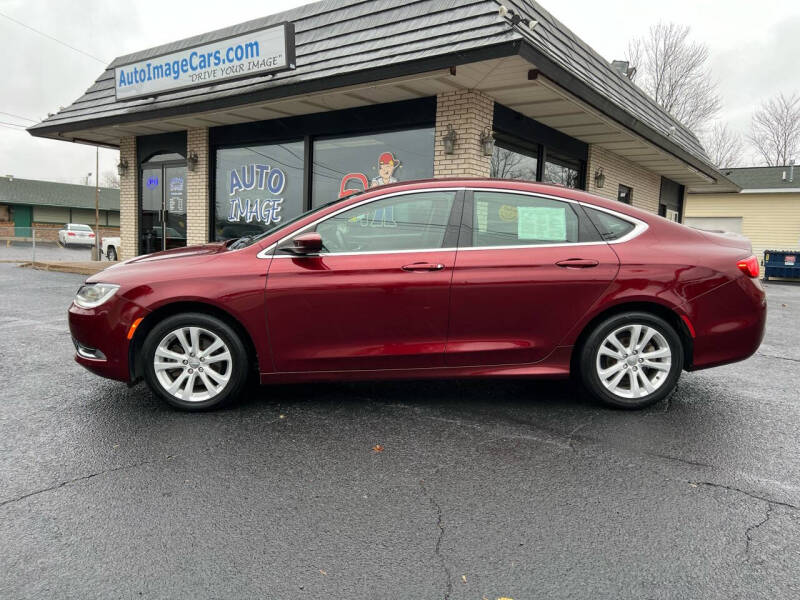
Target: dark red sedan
point(444, 278)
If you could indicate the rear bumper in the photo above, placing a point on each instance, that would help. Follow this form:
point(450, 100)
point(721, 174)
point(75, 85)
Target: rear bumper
point(729, 323)
point(100, 336)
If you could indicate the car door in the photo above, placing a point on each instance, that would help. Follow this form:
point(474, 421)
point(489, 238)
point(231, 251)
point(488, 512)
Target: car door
point(528, 268)
point(377, 296)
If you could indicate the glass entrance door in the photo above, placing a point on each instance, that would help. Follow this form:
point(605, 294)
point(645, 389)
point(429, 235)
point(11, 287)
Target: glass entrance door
point(163, 213)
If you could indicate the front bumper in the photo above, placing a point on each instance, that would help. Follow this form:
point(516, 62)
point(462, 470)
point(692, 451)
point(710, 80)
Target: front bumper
point(100, 336)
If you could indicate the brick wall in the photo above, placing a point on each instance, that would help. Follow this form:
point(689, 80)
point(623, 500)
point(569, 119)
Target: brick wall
point(197, 200)
point(469, 113)
point(618, 170)
point(128, 199)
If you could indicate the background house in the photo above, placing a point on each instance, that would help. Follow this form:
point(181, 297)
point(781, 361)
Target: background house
point(766, 210)
point(47, 206)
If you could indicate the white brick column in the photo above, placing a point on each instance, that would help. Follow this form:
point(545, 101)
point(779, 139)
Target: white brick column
point(618, 170)
point(469, 113)
point(197, 198)
point(129, 200)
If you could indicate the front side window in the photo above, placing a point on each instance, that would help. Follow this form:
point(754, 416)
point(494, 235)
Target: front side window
point(506, 219)
point(405, 222)
point(257, 188)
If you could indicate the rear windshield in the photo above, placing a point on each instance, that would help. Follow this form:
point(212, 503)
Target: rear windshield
point(80, 228)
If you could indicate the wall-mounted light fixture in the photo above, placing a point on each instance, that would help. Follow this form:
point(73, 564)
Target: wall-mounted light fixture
point(599, 177)
point(122, 167)
point(191, 160)
point(449, 140)
point(487, 142)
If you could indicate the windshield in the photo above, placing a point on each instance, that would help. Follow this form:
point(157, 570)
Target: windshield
point(249, 240)
point(80, 228)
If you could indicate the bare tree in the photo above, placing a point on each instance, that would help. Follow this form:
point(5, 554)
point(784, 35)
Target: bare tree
point(511, 165)
point(775, 130)
point(110, 179)
point(724, 146)
point(674, 71)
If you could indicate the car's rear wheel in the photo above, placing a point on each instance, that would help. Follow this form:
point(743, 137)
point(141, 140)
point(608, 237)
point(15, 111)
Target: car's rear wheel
point(195, 361)
point(631, 360)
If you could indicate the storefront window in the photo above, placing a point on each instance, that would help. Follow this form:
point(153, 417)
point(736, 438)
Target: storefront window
point(509, 164)
point(562, 172)
point(257, 188)
point(358, 162)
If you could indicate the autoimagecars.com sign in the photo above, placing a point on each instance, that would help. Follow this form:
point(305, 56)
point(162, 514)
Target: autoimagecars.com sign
point(253, 53)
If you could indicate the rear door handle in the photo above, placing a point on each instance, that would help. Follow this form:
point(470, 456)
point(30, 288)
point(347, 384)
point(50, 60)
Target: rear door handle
point(578, 263)
point(423, 266)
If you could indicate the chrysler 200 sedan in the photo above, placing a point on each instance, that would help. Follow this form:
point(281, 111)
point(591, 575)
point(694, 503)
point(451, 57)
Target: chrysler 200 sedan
point(444, 278)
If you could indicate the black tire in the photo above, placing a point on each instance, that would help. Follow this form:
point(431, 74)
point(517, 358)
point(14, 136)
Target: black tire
point(112, 253)
point(588, 361)
point(239, 367)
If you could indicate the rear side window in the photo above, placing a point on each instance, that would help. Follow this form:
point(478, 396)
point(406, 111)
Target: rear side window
point(508, 219)
point(610, 226)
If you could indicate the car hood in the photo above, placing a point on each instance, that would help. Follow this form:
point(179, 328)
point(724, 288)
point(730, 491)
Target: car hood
point(140, 269)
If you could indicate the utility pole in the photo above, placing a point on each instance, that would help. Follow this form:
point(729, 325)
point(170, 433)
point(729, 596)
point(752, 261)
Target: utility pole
point(96, 251)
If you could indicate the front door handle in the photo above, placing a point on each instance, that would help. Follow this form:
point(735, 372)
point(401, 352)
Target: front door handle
point(577, 263)
point(423, 266)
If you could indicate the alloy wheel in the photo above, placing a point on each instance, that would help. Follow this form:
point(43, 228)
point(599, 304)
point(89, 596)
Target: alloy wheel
point(192, 364)
point(633, 361)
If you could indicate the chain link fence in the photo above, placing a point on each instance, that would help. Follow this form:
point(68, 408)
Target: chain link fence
point(51, 244)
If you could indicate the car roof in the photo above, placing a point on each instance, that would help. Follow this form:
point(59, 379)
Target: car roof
point(549, 189)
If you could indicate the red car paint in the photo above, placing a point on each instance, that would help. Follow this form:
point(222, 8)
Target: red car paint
point(437, 313)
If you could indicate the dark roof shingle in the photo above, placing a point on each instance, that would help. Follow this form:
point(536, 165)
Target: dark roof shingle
point(764, 178)
point(344, 37)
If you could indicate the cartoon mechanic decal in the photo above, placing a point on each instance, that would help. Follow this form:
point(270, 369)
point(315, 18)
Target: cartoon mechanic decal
point(386, 166)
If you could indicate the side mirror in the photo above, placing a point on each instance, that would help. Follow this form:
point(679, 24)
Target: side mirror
point(307, 243)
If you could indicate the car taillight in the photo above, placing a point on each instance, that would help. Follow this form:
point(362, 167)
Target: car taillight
point(91, 235)
point(749, 266)
point(71, 233)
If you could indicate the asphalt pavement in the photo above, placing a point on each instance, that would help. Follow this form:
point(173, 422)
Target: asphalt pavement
point(483, 489)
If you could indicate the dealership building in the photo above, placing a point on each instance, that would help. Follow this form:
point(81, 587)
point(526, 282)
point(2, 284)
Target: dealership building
point(230, 132)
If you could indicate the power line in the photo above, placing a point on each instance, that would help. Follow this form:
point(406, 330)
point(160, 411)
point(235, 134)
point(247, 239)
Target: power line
point(8, 114)
point(9, 124)
point(48, 36)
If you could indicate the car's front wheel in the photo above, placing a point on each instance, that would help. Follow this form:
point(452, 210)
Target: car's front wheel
point(195, 361)
point(631, 360)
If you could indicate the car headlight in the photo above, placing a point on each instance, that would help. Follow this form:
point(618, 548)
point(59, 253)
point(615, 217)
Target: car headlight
point(92, 295)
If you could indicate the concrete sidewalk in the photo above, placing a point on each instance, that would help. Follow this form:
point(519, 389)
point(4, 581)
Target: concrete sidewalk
point(81, 268)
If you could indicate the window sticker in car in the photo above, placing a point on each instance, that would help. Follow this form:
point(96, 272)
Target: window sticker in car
point(507, 212)
point(542, 223)
point(482, 215)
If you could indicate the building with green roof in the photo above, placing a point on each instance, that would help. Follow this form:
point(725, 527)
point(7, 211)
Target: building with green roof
point(48, 205)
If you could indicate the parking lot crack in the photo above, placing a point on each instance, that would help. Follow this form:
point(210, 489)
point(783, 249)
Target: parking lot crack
point(437, 549)
point(797, 360)
point(770, 505)
point(70, 482)
point(746, 493)
point(748, 533)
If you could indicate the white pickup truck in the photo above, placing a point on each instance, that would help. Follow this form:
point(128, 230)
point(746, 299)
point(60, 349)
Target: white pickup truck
point(110, 248)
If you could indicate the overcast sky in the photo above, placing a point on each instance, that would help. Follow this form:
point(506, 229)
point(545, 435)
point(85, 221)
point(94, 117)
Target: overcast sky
point(755, 53)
